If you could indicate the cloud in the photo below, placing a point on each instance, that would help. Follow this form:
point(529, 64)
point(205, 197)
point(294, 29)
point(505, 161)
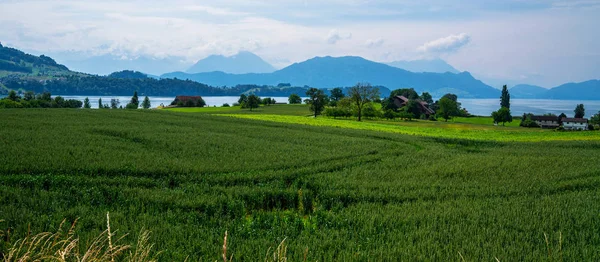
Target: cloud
point(373, 43)
point(335, 36)
point(449, 44)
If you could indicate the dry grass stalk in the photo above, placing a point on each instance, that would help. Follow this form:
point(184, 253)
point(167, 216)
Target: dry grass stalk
point(225, 249)
point(280, 254)
point(143, 249)
point(63, 247)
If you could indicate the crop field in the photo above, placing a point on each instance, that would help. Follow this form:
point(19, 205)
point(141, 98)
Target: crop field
point(335, 190)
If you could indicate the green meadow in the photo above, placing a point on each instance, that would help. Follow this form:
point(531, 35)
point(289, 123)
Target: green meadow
point(330, 189)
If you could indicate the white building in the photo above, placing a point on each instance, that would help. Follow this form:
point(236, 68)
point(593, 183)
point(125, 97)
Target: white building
point(575, 123)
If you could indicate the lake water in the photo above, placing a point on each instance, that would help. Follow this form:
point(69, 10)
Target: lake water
point(485, 107)
point(481, 107)
point(155, 101)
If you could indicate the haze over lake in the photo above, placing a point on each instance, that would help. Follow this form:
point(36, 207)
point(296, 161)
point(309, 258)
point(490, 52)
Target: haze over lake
point(481, 107)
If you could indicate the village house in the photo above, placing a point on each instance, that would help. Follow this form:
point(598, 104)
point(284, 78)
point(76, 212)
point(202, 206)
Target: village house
point(575, 123)
point(546, 121)
point(184, 99)
point(188, 101)
point(400, 101)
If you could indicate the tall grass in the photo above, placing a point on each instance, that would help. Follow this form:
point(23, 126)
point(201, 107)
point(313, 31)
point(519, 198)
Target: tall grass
point(65, 246)
point(332, 193)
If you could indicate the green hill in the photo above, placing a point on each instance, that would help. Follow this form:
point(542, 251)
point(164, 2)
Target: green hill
point(14, 61)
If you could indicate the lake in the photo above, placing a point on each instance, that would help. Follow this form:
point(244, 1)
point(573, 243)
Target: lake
point(482, 107)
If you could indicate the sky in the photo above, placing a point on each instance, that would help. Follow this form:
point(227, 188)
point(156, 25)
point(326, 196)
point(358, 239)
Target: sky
point(541, 42)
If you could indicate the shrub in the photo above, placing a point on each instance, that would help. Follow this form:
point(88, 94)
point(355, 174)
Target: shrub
point(225, 105)
point(336, 112)
point(390, 114)
point(406, 115)
point(6, 103)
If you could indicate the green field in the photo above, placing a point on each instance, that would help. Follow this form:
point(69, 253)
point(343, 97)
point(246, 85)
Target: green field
point(336, 190)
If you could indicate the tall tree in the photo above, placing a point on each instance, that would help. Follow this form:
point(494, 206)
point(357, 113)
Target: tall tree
point(409, 93)
point(337, 94)
point(253, 101)
point(12, 95)
point(579, 111)
point(295, 99)
point(502, 116)
point(560, 117)
point(86, 103)
point(243, 99)
point(595, 119)
point(135, 100)
point(146, 104)
point(505, 98)
point(114, 103)
point(28, 96)
point(447, 108)
point(361, 94)
point(412, 107)
point(316, 100)
point(100, 105)
point(426, 97)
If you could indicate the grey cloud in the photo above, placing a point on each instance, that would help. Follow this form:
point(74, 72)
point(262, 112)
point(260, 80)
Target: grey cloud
point(373, 43)
point(335, 36)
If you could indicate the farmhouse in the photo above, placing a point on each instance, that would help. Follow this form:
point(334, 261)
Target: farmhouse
point(188, 101)
point(184, 99)
point(575, 123)
point(401, 101)
point(546, 121)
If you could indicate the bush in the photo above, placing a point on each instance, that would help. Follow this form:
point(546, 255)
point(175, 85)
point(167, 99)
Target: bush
point(131, 106)
point(406, 116)
point(591, 127)
point(390, 114)
point(226, 105)
point(432, 118)
point(369, 111)
point(336, 112)
point(6, 103)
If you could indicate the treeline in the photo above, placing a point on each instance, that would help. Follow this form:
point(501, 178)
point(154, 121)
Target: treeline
point(364, 100)
point(107, 86)
point(43, 100)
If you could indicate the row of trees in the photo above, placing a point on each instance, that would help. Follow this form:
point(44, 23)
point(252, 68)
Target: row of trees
point(363, 101)
point(45, 100)
point(134, 103)
point(253, 101)
point(32, 100)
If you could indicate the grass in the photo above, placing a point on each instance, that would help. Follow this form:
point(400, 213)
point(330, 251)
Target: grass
point(296, 110)
point(481, 120)
point(332, 193)
point(449, 130)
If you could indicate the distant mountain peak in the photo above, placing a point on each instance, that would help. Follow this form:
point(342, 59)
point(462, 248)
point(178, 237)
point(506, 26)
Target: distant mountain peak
point(345, 71)
point(241, 63)
point(426, 65)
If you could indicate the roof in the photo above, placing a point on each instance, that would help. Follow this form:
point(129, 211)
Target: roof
point(403, 98)
point(576, 120)
point(186, 98)
point(423, 105)
point(544, 118)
